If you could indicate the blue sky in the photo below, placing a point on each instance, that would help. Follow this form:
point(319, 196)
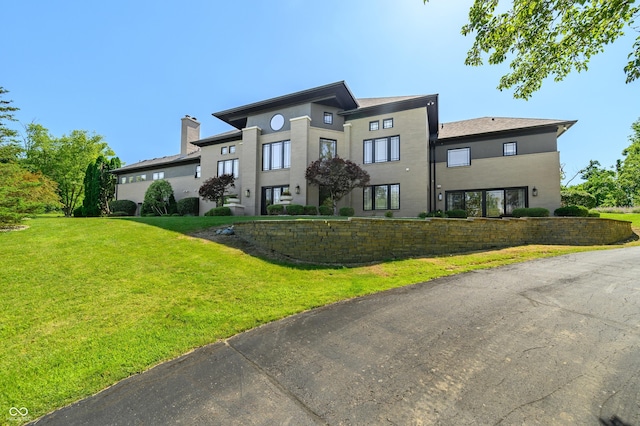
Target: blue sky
point(129, 70)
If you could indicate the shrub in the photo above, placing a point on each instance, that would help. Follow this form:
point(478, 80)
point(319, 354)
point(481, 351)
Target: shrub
point(388, 214)
point(189, 206)
point(79, 212)
point(593, 214)
point(456, 213)
point(159, 198)
point(577, 198)
point(127, 206)
point(574, 211)
point(346, 211)
point(118, 214)
point(311, 210)
point(423, 215)
point(530, 212)
point(436, 213)
point(219, 211)
point(295, 209)
point(325, 210)
point(275, 209)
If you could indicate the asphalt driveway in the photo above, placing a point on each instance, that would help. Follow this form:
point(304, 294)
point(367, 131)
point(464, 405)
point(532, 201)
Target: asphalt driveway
point(552, 341)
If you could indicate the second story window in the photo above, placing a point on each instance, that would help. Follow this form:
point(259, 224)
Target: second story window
point(381, 150)
point(198, 171)
point(374, 125)
point(327, 148)
point(228, 167)
point(328, 118)
point(509, 148)
point(276, 155)
point(459, 157)
point(224, 150)
point(387, 123)
point(232, 149)
point(158, 175)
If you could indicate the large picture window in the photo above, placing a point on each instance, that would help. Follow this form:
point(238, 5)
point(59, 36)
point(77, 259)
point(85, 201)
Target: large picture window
point(381, 150)
point(382, 197)
point(489, 203)
point(276, 155)
point(228, 167)
point(327, 148)
point(458, 157)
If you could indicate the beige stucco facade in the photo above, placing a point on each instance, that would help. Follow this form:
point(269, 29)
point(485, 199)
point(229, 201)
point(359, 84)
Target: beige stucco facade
point(416, 174)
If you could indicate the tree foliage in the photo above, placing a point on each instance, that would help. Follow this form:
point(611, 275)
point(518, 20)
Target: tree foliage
point(214, 189)
point(603, 184)
point(337, 177)
point(99, 186)
point(23, 193)
point(547, 38)
point(159, 198)
point(9, 146)
point(629, 173)
point(64, 160)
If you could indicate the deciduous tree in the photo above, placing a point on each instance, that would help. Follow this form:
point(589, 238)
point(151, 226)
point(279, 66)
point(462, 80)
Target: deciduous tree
point(548, 38)
point(214, 189)
point(64, 160)
point(337, 177)
point(630, 167)
point(159, 198)
point(23, 193)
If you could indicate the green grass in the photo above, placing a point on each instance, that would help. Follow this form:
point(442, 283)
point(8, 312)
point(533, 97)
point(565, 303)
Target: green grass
point(88, 302)
point(634, 218)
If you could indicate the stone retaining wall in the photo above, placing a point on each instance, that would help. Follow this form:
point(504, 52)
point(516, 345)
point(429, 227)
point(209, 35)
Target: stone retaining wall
point(362, 240)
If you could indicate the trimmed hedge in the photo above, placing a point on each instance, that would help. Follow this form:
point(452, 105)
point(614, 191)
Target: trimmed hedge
point(530, 212)
point(388, 214)
point(311, 210)
point(118, 214)
point(346, 211)
point(594, 214)
point(295, 209)
point(275, 209)
point(577, 198)
point(456, 214)
point(189, 206)
point(127, 206)
point(572, 211)
point(219, 211)
point(325, 210)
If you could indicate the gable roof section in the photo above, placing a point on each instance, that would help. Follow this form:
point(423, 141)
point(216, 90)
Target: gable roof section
point(334, 94)
point(495, 125)
point(155, 163)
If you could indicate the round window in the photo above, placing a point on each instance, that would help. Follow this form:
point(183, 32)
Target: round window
point(277, 121)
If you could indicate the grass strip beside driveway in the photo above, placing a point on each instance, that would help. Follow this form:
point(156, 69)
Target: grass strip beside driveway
point(88, 302)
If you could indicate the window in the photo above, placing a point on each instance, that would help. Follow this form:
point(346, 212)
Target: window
point(158, 175)
point(327, 148)
point(387, 123)
point(490, 203)
point(228, 167)
point(130, 179)
point(509, 148)
point(123, 180)
point(232, 149)
point(328, 118)
point(382, 197)
point(224, 150)
point(374, 125)
point(458, 157)
point(198, 171)
point(381, 150)
point(276, 155)
point(141, 178)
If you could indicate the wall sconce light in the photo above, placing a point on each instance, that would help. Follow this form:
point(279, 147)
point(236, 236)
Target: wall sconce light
point(297, 189)
point(534, 191)
point(247, 193)
point(440, 196)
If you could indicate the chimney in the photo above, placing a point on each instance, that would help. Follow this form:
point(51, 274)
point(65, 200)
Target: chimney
point(190, 133)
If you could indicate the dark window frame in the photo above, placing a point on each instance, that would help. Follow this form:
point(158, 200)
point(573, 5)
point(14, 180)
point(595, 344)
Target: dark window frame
point(468, 149)
point(524, 189)
point(389, 150)
point(284, 161)
point(374, 125)
point(327, 140)
point(235, 167)
point(327, 118)
point(508, 152)
point(389, 202)
point(385, 121)
point(198, 173)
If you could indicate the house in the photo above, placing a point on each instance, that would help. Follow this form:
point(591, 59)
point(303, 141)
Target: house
point(487, 166)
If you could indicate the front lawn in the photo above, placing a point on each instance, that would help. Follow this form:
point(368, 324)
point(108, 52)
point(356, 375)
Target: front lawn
point(88, 302)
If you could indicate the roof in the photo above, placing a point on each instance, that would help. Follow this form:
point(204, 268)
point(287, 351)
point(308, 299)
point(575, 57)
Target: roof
point(229, 136)
point(369, 102)
point(488, 125)
point(162, 161)
point(334, 94)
